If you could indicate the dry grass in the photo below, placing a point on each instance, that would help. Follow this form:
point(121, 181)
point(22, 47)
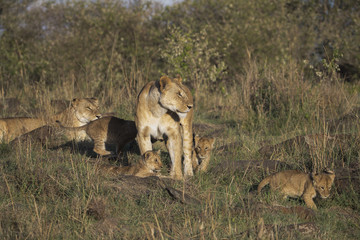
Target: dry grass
point(268, 116)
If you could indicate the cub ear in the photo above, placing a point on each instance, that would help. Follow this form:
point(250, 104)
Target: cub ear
point(196, 139)
point(328, 171)
point(164, 80)
point(158, 152)
point(147, 155)
point(314, 177)
point(75, 102)
point(212, 141)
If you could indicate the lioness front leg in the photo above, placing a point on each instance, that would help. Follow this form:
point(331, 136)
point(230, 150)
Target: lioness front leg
point(187, 148)
point(174, 146)
point(144, 142)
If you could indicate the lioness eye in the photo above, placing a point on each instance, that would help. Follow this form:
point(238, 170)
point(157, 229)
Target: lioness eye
point(179, 94)
point(89, 108)
point(322, 188)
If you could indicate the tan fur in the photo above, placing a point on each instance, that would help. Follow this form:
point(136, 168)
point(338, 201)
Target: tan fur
point(294, 183)
point(149, 165)
point(80, 112)
point(110, 130)
point(202, 153)
point(164, 110)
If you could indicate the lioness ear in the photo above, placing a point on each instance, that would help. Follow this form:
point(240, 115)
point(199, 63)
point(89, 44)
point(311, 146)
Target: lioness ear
point(164, 80)
point(75, 102)
point(178, 78)
point(95, 100)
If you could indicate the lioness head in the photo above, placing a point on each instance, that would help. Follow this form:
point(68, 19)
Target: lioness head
point(174, 96)
point(86, 109)
point(203, 146)
point(152, 160)
point(322, 183)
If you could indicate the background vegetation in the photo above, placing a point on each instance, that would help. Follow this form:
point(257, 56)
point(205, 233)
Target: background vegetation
point(261, 72)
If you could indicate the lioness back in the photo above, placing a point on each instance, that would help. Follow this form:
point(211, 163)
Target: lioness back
point(295, 183)
point(10, 128)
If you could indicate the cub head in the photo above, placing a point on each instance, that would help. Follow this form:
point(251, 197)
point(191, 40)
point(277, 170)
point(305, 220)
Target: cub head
point(174, 96)
point(323, 182)
point(86, 109)
point(152, 160)
point(203, 146)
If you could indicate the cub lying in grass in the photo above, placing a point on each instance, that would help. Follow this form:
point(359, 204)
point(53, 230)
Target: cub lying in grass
point(202, 153)
point(149, 165)
point(294, 183)
point(111, 130)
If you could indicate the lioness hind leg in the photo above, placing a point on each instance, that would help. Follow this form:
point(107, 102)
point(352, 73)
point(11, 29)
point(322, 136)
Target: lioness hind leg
point(173, 145)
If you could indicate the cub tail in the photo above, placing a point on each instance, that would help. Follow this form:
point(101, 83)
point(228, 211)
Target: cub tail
point(263, 183)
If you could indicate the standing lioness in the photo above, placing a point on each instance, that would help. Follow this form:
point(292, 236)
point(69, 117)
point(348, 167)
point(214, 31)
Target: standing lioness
point(164, 110)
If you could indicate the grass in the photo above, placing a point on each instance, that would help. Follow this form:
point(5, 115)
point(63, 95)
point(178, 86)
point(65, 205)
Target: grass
point(58, 194)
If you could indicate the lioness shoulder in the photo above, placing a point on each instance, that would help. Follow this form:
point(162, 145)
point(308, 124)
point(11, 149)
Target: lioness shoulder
point(293, 183)
point(202, 153)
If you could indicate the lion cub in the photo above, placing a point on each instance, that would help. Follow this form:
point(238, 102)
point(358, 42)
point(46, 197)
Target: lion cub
point(294, 183)
point(149, 165)
point(201, 153)
point(111, 130)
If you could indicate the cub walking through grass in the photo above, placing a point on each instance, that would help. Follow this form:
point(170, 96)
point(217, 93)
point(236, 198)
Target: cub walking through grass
point(294, 183)
point(202, 153)
point(149, 165)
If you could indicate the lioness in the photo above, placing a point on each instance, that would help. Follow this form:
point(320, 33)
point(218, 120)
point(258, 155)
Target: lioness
point(294, 183)
point(111, 130)
point(164, 110)
point(149, 165)
point(80, 112)
point(202, 153)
